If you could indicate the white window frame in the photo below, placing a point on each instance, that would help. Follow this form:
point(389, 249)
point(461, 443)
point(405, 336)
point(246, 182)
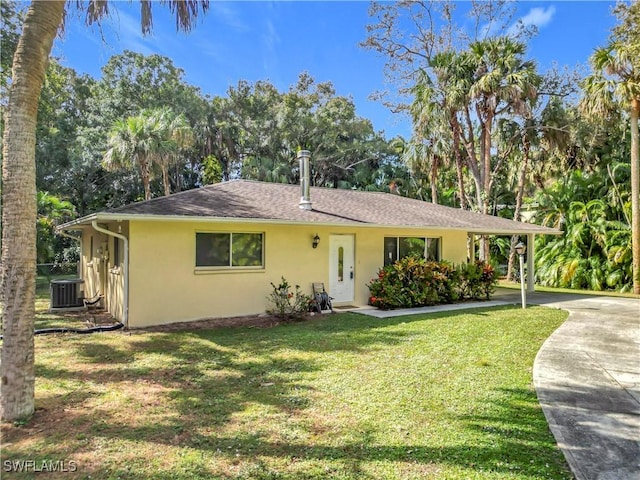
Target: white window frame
point(230, 267)
point(426, 246)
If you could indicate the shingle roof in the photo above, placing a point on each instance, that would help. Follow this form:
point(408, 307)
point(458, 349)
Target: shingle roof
point(251, 200)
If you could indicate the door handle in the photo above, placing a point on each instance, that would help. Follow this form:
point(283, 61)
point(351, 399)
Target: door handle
point(351, 274)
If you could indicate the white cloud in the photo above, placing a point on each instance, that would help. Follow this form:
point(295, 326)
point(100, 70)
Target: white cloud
point(270, 36)
point(129, 33)
point(114, 33)
point(270, 40)
point(212, 49)
point(537, 17)
point(229, 16)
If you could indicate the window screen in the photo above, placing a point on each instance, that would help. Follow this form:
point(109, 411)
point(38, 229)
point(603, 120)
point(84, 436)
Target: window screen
point(400, 247)
point(229, 249)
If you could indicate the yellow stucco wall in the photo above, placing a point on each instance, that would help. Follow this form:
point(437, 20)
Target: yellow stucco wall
point(166, 287)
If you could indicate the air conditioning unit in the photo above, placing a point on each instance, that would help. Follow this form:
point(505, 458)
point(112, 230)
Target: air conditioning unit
point(66, 293)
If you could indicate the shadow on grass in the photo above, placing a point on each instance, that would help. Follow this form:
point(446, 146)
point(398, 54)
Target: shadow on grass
point(192, 384)
point(509, 437)
point(207, 380)
point(516, 424)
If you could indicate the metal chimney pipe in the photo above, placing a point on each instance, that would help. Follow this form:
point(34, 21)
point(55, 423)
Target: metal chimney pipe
point(305, 180)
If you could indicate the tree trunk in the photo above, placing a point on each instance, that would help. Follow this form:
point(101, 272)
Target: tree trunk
point(179, 179)
point(145, 173)
point(485, 175)
point(635, 194)
point(433, 181)
point(472, 160)
point(526, 148)
point(17, 288)
point(455, 127)
point(165, 179)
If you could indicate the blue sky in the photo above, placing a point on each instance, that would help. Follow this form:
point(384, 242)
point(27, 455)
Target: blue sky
point(276, 41)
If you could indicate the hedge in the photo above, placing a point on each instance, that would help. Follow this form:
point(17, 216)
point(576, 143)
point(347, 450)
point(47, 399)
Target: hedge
point(415, 282)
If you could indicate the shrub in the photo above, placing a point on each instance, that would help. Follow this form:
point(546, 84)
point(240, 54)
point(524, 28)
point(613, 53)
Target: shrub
point(476, 280)
point(288, 304)
point(415, 282)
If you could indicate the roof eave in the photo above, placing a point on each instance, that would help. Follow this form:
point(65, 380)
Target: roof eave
point(115, 217)
point(515, 231)
point(77, 222)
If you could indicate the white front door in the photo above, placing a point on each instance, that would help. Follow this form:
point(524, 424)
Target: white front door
point(341, 268)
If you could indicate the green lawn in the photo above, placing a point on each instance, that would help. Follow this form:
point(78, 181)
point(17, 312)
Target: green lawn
point(342, 397)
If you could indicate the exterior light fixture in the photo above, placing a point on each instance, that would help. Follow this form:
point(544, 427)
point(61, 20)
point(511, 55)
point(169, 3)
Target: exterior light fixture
point(316, 241)
point(521, 249)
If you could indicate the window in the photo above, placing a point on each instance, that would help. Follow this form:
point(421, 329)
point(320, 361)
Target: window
point(229, 250)
point(116, 252)
point(400, 247)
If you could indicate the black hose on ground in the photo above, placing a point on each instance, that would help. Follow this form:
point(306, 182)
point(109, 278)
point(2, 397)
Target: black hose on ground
point(103, 328)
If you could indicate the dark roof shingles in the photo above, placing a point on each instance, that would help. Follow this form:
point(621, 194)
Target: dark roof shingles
point(279, 202)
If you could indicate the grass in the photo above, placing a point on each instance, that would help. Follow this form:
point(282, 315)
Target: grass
point(539, 288)
point(344, 396)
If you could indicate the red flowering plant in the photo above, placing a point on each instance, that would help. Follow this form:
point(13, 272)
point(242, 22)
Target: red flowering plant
point(415, 282)
point(410, 282)
point(488, 279)
point(477, 280)
point(288, 304)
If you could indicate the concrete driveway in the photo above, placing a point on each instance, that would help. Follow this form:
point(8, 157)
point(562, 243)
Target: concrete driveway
point(587, 377)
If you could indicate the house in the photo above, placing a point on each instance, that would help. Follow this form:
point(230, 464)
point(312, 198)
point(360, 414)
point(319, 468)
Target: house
point(212, 252)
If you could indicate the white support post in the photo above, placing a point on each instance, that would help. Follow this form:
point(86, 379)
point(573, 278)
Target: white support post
point(523, 291)
point(472, 247)
point(531, 269)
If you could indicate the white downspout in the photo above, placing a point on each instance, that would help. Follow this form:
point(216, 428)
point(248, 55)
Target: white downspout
point(531, 269)
point(125, 316)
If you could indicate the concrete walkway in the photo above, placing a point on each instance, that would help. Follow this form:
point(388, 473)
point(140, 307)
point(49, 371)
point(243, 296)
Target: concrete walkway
point(587, 377)
point(374, 312)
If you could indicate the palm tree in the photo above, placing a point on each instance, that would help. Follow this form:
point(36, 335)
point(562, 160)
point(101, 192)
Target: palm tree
point(616, 78)
point(153, 137)
point(171, 133)
point(430, 143)
point(415, 155)
point(438, 100)
point(131, 143)
point(453, 76)
point(19, 209)
point(503, 83)
point(18, 278)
